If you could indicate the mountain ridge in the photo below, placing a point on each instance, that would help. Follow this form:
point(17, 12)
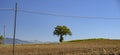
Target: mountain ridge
point(17, 41)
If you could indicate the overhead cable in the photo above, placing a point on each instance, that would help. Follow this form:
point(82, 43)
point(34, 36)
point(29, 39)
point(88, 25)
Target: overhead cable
point(51, 14)
point(6, 9)
point(61, 15)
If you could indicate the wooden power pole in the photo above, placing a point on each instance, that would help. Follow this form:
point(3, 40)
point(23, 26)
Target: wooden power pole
point(14, 29)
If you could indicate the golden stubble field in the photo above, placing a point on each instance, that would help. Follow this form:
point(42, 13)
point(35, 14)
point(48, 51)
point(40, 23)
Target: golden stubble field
point(90, 47)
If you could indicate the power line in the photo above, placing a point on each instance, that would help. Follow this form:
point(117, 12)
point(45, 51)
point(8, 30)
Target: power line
point(6, 9)
point(60, 15)
point(51, 14)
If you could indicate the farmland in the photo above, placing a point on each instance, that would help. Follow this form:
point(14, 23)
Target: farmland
point(87, 47)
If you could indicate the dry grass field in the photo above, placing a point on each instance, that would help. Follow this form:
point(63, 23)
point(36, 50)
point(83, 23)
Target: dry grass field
point(89, 47)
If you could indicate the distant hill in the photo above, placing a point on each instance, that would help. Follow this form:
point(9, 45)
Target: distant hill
point(17, 41)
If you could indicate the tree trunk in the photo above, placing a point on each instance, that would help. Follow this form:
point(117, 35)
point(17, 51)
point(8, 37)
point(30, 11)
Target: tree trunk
point(61, 38)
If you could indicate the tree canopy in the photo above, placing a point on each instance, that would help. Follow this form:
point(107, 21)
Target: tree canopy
point(61, 31)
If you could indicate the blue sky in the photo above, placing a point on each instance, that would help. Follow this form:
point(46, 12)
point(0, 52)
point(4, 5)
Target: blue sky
point(32, 26)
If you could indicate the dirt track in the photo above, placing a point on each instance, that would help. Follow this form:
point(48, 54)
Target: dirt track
point(90, 47)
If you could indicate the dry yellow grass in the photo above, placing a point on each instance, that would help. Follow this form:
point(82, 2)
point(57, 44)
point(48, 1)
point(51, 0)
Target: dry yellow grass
point(92, 47)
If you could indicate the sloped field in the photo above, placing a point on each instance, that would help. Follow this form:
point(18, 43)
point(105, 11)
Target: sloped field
point(90, 47)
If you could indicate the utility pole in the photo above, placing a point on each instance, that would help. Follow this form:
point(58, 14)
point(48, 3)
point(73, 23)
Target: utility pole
point(4, 34)
point(14, 29)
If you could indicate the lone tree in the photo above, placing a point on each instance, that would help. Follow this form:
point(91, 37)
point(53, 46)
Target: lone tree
point(60, 31)
point(1, 38)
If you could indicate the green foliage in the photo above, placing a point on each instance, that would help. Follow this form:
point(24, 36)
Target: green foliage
point(1, 38)
point(61, 31)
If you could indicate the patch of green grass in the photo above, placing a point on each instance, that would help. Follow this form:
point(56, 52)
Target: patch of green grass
point(5, 44)
point(87, 39)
